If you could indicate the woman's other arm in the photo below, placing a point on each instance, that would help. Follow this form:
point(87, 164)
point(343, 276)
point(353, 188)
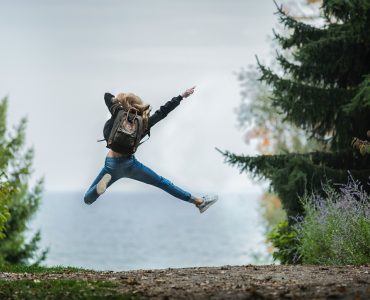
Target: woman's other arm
point(109, 101)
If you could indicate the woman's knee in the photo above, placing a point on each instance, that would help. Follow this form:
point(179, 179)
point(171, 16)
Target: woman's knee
point(88, 199)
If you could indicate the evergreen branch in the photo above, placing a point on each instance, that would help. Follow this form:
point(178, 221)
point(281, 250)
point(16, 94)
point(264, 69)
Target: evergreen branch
point(223, 153)
point(345, 11)
point(301, 36)
point(343, 39)
point(310, 73)
point(270, 77)
point(361, 100)
point(312, 108)
point(292, 175)
point(341, 160)
point(343, 59)
point(302, 33)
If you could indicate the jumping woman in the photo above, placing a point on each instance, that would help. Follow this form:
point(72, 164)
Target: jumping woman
point(131, 121)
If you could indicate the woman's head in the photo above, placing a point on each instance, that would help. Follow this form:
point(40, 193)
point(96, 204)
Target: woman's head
point(130, 100)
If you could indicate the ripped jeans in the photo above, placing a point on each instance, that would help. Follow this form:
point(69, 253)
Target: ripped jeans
point(124, 167)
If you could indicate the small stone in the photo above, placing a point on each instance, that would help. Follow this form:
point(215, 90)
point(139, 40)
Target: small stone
point(131, 281)
point(268, 277)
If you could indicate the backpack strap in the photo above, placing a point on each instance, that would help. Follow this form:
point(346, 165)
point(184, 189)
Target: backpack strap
point(147, 138)
point(114, 108)
point(139, 130)
point(144, 140)
point(116, 124)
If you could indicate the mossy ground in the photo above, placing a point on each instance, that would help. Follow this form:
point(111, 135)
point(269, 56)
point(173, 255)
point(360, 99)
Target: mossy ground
point(59, 288)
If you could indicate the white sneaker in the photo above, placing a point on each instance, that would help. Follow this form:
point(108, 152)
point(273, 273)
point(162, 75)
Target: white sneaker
point(102, 184)
point(208, 200)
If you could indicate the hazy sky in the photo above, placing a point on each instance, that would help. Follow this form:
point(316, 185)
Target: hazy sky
point(58, 58)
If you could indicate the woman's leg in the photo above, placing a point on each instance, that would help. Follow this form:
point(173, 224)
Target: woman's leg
point(144, 174)
point(91, 195)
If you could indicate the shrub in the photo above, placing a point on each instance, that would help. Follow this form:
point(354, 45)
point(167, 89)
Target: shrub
point(284, 239)
point(336, 227)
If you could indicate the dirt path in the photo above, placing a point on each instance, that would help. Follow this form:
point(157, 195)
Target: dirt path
point(236, 282)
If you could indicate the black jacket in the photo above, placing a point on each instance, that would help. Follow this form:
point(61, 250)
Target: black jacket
point(159, 114)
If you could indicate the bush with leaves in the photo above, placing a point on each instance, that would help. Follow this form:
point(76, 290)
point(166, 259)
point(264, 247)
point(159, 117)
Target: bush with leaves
point(336, 228)
point(284, 239)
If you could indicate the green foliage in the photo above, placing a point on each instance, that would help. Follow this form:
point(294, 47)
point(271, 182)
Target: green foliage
point(362, 98)
point(336, 228)
point(23, 201)
point(4, 211)
point(362, 146)
point(365, 150)
point(5, 189)
point(284, 239)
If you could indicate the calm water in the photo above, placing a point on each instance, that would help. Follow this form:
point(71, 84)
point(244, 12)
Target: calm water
point(123, 231)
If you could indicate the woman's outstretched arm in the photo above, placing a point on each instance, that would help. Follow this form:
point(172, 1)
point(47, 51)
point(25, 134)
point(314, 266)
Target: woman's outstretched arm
point(163, 111)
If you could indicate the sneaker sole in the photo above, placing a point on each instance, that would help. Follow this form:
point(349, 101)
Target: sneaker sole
point(208, 206)
point(102, 185)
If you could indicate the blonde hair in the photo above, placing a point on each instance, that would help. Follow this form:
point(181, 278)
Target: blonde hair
point(130, 100)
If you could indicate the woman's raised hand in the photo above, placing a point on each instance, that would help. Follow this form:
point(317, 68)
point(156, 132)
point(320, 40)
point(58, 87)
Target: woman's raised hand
point(188, 92)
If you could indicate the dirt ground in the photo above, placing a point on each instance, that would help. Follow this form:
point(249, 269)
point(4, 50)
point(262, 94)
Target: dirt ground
point(231, 282)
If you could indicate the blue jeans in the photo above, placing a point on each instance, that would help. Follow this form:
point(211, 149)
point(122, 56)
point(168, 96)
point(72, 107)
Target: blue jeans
point(121, 167)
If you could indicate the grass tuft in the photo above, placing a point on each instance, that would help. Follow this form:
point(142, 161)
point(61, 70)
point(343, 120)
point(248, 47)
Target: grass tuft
point(60, 289)
point(39, 269)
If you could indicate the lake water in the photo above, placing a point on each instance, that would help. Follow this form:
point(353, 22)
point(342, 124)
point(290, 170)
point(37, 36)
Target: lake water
point(125, 231)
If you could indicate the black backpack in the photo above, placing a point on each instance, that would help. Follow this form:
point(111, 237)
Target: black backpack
point(124, 131)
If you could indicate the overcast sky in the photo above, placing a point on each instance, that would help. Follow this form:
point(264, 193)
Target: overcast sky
point(58, 58)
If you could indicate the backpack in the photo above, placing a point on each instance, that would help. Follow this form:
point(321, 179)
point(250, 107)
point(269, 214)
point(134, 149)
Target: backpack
point(125, 131)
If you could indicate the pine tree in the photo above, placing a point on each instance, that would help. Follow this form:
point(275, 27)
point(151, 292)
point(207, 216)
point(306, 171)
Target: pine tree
point(5, 189)
point(324, 90)
point(4, 201)
point(20, 201)
point(5, 194)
